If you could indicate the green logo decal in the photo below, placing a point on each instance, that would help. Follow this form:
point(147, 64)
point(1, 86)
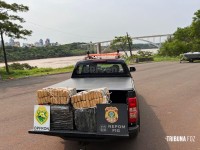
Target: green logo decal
point(41, 115)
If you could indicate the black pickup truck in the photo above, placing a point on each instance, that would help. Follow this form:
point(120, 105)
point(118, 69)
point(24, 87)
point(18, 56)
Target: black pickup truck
point(113, 74)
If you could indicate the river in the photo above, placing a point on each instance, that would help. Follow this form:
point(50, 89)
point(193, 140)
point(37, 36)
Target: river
point(61, 61)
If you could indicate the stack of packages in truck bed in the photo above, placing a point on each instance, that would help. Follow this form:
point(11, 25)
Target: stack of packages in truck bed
point(85, 104)
point(61, 111)
point(55, 95)
point(67, 106)
point(88, 99)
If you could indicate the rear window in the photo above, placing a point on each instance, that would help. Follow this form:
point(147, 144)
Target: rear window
point(100, 69)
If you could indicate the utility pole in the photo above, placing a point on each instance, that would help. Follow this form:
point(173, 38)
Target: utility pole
point(129, 44)
point(98, 48)
point(4, 53)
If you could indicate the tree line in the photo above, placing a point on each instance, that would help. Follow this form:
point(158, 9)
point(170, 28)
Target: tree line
point(73, 49)
point(28, 53)
point(184, 40)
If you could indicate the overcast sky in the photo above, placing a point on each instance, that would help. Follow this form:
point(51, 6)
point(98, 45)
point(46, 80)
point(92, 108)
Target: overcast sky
point(66, 21)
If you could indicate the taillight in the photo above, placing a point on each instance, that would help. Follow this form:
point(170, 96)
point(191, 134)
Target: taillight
point(132, 110)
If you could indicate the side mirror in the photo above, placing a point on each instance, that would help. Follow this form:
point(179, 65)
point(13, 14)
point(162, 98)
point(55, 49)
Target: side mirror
point(132, 69)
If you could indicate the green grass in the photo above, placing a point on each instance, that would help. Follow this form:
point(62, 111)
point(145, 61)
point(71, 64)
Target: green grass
point(158, 58)
point(33, 72)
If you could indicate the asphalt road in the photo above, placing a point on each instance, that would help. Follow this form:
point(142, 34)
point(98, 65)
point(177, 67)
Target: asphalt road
point(169, 95)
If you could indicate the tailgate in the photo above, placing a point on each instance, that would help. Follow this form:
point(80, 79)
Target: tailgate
point(76, 134)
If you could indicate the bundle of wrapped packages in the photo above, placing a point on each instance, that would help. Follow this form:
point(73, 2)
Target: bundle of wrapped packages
point(85, 108)
point(89, 99)
point(85, 119)
point(55, 95)
point(61, 117)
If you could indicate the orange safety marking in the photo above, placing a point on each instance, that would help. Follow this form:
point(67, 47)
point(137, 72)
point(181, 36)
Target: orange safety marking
point(105, 54)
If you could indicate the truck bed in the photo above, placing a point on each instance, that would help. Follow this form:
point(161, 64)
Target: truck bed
point(112, 83)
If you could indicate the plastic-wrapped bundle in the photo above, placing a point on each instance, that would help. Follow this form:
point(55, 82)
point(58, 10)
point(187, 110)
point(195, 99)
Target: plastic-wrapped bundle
point(90, 98)
point(61, 117)
point(55, 95)
point(85, 120)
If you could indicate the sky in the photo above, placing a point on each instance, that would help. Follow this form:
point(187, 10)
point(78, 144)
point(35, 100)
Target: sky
point(67, 21)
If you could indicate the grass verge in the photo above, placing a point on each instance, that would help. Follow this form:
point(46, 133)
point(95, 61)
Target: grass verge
point(157, 58)
point(33, 72)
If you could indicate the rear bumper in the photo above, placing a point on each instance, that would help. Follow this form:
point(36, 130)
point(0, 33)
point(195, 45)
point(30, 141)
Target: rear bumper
point(72, 134)
point(134, 130)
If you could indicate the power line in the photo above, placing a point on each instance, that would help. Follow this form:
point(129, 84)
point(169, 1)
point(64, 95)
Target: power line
point(50, 28)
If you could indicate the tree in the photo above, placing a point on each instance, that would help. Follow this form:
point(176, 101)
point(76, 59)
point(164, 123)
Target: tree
point(183, 34)
point(122, 43)
point(10, 24)
point(196, 25)
point(130, 43)
point(185, 39)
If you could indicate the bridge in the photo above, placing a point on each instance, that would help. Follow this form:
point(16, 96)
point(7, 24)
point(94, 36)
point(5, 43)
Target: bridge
point(155, 40)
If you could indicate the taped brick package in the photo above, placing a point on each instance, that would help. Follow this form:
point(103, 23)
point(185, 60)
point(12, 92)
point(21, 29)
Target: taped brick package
point(61, 117)
point(55, 95)
point(90, 98)
point(85, 120)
